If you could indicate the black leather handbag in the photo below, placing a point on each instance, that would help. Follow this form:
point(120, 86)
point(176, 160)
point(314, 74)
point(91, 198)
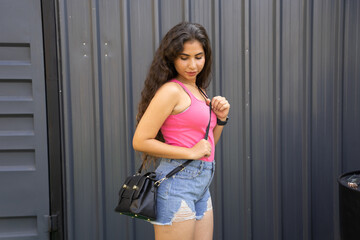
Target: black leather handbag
point(137, 196)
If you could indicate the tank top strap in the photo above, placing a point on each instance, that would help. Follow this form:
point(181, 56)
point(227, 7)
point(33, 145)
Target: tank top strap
point(183, 86)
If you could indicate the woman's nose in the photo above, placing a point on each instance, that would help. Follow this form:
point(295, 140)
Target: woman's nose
point(192, 64)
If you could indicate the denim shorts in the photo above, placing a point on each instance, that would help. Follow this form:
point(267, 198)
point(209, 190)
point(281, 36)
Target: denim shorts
point(185, 195)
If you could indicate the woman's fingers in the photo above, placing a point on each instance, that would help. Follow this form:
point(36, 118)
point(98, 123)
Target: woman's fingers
point(220, 104)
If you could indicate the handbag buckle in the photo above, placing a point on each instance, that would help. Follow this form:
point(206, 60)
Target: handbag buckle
point(158, 182)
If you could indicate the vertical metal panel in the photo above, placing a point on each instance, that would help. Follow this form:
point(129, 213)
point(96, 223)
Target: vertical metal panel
point(351, 86)
point(79, 120)
point(293, 119)
point(231, 175)
point(289, 70)
point(167, 17)
point(264, 172)
point(24, 188)
point(113, 68)
point(324, 169)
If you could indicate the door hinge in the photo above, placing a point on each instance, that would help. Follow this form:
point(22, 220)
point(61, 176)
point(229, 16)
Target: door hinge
point(53, 222)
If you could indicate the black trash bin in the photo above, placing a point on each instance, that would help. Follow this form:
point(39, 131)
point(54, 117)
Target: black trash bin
point(349, 205)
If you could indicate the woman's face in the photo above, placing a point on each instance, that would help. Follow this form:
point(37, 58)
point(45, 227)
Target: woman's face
point(190, 61)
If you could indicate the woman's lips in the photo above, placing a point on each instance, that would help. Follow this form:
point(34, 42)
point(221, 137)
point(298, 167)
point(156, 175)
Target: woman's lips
point(191, 73)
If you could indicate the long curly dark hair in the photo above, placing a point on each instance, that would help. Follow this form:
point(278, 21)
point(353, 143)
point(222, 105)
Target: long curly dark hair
point(162, 68)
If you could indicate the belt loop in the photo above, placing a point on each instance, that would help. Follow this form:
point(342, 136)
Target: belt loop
point(202, 165)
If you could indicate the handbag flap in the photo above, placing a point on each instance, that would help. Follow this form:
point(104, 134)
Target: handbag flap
point(146, 181)
point(126, 190)
point(134, 184)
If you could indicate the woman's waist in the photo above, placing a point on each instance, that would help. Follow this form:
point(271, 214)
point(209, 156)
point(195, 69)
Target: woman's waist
point(195, 164)
point(185, 138)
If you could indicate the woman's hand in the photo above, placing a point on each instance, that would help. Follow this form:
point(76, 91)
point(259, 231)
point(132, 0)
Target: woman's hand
point(201, 149)
point(220, 106)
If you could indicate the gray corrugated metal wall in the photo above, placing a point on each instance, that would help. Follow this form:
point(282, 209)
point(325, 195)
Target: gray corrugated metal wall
point(290, 71)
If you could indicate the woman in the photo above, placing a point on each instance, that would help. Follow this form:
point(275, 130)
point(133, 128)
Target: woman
point(172, 120)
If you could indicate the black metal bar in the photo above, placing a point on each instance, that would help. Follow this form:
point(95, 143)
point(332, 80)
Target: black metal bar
point(52, 83)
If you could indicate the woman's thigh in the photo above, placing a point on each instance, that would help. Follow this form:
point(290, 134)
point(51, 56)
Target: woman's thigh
point(187, 230)
point(177, 231)
point(204, 227)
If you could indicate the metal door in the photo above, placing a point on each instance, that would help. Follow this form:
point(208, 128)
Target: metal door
point(24, 191)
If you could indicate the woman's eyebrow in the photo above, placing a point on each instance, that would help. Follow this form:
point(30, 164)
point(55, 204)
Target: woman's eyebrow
point(189, 55)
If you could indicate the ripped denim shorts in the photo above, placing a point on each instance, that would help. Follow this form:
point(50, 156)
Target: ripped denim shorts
point(185, 195)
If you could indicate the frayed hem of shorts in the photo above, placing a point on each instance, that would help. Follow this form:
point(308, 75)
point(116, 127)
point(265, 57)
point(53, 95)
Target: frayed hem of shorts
point(160, 224)
point(170, 223)
point(200, 217)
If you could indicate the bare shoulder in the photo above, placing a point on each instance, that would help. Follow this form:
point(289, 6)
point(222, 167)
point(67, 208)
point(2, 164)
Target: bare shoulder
point(172, 87)
point(169, 90)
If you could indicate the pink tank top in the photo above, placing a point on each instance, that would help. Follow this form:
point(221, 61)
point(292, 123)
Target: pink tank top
point(187, 128)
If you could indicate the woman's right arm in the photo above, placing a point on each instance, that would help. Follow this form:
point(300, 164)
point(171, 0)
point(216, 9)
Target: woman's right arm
point(160, 107)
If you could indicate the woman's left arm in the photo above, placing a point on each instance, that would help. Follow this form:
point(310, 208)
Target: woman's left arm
point(221, 108)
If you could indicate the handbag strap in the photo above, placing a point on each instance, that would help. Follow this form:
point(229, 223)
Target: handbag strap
point(208, 126)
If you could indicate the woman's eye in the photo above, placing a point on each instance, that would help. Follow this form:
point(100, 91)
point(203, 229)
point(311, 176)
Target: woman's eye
point(183, 58)
point(198, 58)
